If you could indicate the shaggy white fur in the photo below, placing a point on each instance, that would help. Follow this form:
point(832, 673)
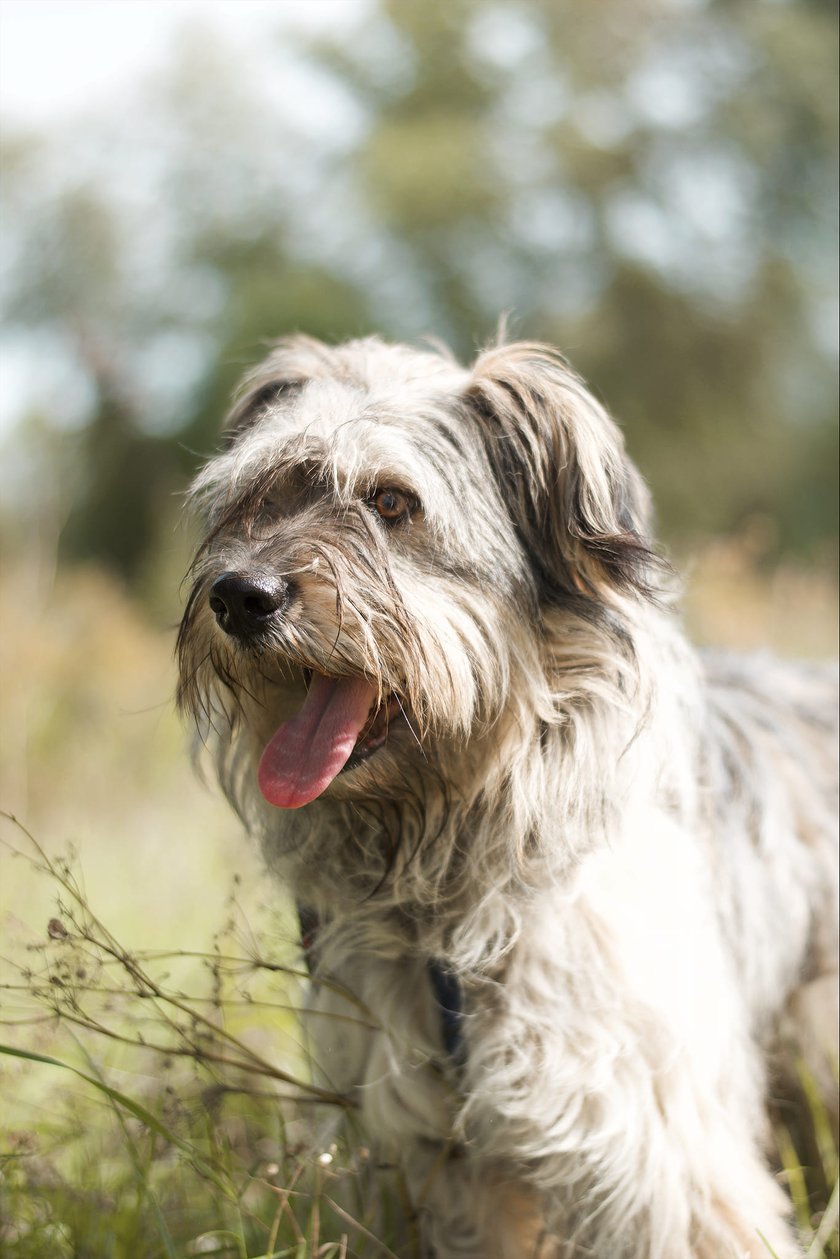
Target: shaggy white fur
point(431, 649)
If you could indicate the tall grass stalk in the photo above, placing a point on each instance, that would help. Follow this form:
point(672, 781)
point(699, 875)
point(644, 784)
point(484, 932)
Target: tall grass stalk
point(217, 1145)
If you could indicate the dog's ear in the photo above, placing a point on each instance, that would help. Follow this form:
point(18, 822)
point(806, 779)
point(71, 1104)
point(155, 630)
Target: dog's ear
point(250, 404)
point(579, 505)
point(292, 361)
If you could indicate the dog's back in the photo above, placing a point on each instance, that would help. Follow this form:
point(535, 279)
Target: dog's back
point(772, 773)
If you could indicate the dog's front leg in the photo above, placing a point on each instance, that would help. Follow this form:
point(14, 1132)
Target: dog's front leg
point(375, 1033)
point(470, 1209)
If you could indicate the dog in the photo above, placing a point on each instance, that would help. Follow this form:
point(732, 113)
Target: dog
point(581, 878)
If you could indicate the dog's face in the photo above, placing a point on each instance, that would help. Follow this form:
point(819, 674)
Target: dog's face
point(385, 534)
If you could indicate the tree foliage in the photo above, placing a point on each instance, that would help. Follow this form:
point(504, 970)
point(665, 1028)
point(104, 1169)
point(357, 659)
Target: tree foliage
point(649, 185)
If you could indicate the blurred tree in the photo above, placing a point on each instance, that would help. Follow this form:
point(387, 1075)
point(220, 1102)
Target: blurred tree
point(653, 188)
point(650, 185)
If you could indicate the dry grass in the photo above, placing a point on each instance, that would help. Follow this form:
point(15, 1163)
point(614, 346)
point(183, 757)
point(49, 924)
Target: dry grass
point(732, 600)
point(93, 754)
point(159, 966)
point(147, 978)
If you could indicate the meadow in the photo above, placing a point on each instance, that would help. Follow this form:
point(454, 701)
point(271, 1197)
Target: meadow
point(156, 1095)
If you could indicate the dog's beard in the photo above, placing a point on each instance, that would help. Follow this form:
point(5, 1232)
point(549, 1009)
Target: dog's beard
point(311, 694)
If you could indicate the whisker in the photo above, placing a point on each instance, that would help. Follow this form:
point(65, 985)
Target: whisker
point(414, 734)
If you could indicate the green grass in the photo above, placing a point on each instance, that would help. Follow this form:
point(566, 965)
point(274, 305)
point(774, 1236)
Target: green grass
point(210, 1148)
point(179, 1119)
point(169, 1112)
point(807, 1150)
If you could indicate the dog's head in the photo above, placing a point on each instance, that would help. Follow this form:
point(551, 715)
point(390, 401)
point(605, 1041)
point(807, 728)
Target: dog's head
point(387, 535)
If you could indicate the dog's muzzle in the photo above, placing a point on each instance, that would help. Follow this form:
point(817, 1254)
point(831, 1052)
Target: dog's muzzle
point(344, 718)
point(244, 604)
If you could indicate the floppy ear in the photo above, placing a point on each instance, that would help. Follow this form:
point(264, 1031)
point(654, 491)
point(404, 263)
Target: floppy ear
point(292, 361)
point(578, 503)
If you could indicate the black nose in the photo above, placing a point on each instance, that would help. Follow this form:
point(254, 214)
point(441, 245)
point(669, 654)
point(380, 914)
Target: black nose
point(244, 603)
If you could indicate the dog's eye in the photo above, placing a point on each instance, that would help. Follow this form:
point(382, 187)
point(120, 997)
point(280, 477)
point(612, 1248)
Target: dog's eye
point(391, 505)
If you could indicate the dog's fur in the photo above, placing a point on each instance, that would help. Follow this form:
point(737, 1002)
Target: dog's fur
point(624, 852)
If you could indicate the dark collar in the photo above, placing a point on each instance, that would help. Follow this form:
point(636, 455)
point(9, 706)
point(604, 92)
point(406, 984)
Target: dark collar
point(446, 987)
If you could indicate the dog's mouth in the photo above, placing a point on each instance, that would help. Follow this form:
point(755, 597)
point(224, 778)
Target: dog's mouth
point(339, 726)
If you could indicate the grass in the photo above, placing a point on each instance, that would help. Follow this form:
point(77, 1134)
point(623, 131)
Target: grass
point(155, 1091)
point(211, 1149)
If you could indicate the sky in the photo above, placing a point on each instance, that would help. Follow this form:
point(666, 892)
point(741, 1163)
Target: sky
point(63, 56)
point(66, 59)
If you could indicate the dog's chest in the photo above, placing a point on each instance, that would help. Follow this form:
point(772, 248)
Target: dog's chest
point(388, 1032)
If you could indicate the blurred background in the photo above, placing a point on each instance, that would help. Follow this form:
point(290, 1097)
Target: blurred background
point(649, 184)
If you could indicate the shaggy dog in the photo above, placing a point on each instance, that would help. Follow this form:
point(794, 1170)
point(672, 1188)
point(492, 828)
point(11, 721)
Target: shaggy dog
point(581, 880)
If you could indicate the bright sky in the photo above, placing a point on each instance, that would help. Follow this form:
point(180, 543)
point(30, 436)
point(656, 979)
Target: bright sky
point(57, 56)
point(62, 58)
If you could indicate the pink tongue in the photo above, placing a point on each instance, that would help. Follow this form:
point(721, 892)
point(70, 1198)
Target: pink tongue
point(307, 752)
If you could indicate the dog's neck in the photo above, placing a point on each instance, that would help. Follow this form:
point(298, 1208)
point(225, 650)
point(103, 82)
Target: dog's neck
point(445, 869)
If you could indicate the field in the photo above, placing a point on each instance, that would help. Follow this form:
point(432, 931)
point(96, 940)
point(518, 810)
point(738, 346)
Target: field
point(148, 968)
